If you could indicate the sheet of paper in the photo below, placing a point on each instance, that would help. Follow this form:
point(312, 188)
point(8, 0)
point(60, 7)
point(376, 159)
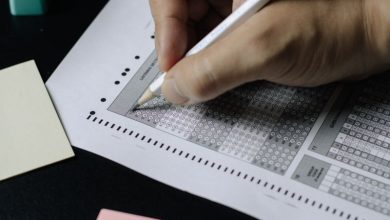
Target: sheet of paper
point(270, 151)
point(106, 214)
point(31, 135)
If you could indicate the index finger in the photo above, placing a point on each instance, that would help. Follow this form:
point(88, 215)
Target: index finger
point(170, 17)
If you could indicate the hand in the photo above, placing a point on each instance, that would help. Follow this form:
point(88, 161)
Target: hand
point(291, 42)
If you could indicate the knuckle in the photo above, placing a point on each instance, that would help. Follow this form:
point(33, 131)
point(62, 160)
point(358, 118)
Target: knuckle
point(274, 54)
point(202, 82)
point(260, 50)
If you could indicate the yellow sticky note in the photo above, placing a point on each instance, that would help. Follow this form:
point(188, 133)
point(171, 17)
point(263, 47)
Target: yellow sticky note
point(31, 135)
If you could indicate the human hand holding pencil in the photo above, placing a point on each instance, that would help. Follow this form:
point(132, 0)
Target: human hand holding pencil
point(292, 42)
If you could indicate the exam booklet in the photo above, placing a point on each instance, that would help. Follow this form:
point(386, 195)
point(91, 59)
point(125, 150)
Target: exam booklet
point(267, 150)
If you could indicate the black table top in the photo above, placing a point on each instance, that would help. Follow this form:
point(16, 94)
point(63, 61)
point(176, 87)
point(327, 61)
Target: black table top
point(79, 187)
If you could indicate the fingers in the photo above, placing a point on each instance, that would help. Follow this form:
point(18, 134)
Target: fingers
point(170, 18)
point(251, 52)
point(298, 43)
point(237, 4)
point(209, 73)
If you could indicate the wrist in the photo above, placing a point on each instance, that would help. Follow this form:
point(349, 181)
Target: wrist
point(378, 28)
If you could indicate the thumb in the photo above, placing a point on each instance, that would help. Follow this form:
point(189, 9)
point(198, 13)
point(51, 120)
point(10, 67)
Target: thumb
point(208, 74)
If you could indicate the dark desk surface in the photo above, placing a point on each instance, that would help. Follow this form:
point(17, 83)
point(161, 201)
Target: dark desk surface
point(78, 188)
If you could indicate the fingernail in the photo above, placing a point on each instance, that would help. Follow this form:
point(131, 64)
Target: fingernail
point(173, 94)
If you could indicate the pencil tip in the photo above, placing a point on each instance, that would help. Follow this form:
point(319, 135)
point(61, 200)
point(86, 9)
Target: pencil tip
point(135, 107)
point(147, 96)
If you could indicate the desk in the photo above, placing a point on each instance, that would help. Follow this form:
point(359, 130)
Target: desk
point(79, 187)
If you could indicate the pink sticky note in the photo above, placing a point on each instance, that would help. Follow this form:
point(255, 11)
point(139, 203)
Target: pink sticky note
point(106, 214)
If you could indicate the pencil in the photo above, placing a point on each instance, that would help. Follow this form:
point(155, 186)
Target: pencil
point(238, 17)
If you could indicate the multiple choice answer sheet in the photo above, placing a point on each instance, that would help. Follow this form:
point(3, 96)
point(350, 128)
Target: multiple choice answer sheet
point(270, 151)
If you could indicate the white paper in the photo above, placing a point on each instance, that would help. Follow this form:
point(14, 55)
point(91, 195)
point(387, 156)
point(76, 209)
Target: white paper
point(284, 172)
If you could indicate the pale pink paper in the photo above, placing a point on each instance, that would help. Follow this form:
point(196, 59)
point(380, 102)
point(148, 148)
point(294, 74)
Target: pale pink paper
point(106, 214)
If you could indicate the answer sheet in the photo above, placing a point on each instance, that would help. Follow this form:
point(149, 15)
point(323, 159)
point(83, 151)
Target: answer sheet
point(270, 151)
